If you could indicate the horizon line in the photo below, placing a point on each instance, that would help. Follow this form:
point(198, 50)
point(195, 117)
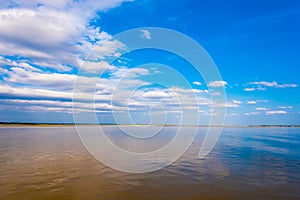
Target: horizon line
point(114, 124)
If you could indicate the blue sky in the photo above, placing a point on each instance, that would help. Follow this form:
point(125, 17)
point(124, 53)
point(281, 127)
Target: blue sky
point(255, 45)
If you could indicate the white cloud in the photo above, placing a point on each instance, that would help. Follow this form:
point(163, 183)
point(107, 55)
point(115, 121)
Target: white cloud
point(32, 39)
point(105, 48)
point(264, 83)
point(25, 92)
point(129, 73)
point(237, 102)
point(261, 88)
point(37, 79)
point(249, 89)
point(146, 34)
point(217, 84)
point(197, 83)
point(234, 104)
point(251, 102)
point(21, 64)
point(58, 106)
point(226, 105)
point(25, 30)
point(285, 107)
point(287, 86)
point(183, 91)
point(57, 35)
point(272, 84)
point(16, 76)
point(252, 113)
point(277, 112)
point(261, 109)
point(156, 94)
point(96, 67)
point(117, 88)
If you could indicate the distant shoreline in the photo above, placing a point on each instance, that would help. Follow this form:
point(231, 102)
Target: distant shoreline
point(169, 125)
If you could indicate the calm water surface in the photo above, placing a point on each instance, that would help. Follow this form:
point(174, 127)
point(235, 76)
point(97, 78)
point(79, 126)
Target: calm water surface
point(51, 163)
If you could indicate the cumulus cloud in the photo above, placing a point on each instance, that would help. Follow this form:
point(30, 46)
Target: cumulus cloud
point(26, 33)
point(51, 33)
point(57, 106)
point(21, 64)
point(38, 89)
point(44, 43)
point(156, 94)
point(105, 48)
point(37, 79)
point(96, 67)
point(33, 93)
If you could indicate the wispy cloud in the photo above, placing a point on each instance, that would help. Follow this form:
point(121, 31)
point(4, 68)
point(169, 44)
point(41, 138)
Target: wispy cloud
point(252, 113)
point(285, 107)
point(217, 84)
point(237, 102)
point(197, 83)
point(146, 34)
point(54, 91)
point(233, 104)
point(274, 84)
point(261, 109)
point(276, 112)
point(251, 102)
point(249, 89)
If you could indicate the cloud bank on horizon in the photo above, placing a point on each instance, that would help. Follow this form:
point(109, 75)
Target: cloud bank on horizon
point(43, 45)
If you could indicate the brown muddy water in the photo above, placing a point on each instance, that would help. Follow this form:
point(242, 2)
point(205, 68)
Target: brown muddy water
point(247, 163)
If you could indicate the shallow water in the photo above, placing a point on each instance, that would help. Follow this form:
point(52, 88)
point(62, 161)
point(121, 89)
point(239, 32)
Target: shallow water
point(247, 163)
